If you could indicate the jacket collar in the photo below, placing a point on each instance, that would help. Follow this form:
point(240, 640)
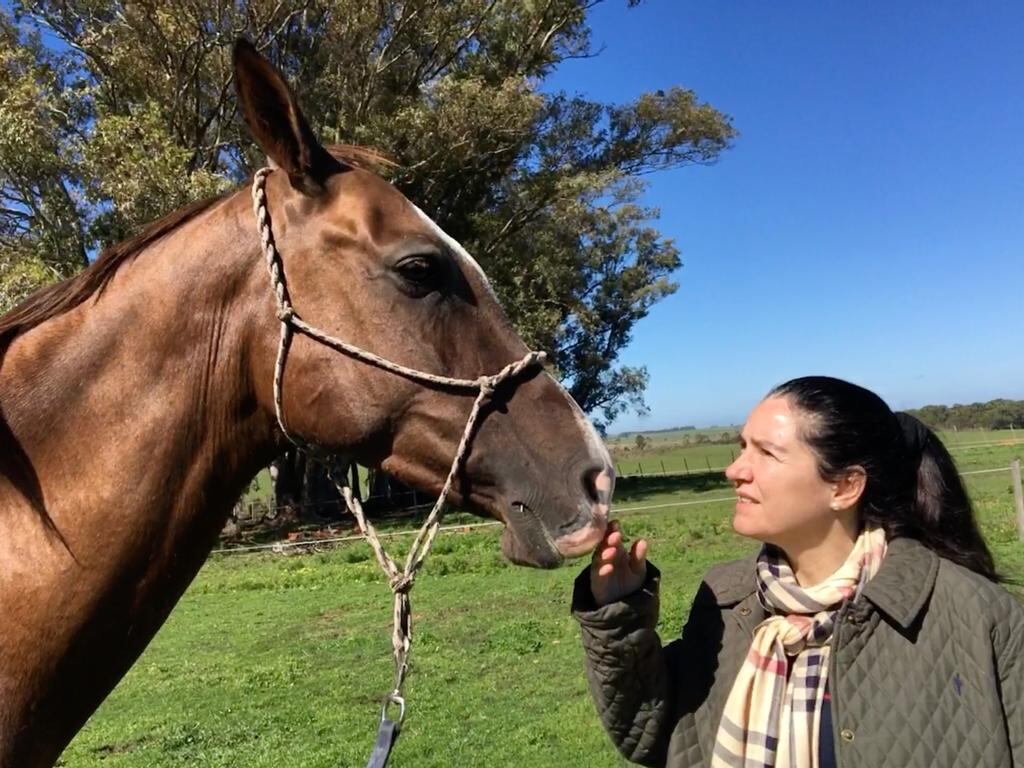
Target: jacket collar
point(904, 581)
point(732, 582)
point(900, 589)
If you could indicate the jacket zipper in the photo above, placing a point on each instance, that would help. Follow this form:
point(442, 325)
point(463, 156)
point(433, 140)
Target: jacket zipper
point(833, 677)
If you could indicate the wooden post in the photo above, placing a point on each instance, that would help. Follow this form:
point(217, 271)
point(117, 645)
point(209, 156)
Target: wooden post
point(1018, 497)
point(685, 464)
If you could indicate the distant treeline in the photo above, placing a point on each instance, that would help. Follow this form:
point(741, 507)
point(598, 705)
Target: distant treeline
point(995, 414)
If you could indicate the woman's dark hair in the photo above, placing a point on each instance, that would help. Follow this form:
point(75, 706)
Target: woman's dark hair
point(912, 489)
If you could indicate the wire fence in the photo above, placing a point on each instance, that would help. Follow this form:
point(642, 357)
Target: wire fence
point(626, 467)
point(265, 509)
point(284, 547)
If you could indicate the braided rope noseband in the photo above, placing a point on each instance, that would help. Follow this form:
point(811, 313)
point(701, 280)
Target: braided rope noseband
point(400, 580)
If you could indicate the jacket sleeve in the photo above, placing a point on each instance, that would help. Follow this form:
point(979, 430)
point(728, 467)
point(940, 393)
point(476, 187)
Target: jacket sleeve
point(1010, 660)
point(642, 689)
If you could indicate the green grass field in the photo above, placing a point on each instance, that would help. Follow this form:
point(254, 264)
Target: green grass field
point(669, 436)
point(281, 661)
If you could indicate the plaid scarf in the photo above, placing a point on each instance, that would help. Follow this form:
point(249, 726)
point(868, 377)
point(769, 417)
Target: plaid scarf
point(773, 713)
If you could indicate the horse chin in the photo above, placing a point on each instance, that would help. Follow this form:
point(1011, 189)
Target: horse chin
point(525, 540)
point(512, 547)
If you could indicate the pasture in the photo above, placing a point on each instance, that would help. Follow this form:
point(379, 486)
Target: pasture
point(281, 661)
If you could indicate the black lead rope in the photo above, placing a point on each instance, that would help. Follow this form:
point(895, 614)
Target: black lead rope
point(388, 732)
point(386, 738)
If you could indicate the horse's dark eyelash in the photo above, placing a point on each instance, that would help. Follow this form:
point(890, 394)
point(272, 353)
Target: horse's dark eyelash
point(428, 261)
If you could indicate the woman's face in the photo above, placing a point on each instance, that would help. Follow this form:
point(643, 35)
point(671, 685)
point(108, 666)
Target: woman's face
point(781, 498)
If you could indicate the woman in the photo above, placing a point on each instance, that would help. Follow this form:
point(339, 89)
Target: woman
point(869, 631)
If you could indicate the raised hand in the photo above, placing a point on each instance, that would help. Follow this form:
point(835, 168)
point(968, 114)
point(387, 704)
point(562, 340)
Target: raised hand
point(614, 572)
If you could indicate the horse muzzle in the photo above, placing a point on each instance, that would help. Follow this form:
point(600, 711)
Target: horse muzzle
point(529, 539)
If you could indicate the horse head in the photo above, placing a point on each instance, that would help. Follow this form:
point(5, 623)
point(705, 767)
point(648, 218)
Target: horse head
point(364, 264)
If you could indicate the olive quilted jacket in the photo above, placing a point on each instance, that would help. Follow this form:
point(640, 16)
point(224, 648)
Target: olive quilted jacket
point(927, 667)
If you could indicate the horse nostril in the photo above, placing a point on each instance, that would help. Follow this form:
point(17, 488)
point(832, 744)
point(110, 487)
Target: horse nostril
point(598, 484)
point(590, 484)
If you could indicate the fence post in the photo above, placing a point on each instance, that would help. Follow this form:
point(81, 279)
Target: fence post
point(708, 462)
point(685, 464)
point(663, 468)
point(1018, 497)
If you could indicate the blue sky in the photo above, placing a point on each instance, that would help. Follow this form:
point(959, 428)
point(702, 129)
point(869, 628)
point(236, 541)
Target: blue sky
point(867, 224)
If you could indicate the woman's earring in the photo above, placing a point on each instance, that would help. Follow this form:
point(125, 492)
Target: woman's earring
point(835, 506)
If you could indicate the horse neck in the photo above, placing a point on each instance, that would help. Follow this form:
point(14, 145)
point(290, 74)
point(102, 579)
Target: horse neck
point(135, 412)
point(128, 427)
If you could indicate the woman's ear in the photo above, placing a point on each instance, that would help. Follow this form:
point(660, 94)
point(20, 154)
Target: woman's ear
point(849, 488)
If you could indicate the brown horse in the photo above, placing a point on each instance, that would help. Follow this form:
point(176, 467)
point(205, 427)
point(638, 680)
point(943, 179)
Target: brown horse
point(136, 402)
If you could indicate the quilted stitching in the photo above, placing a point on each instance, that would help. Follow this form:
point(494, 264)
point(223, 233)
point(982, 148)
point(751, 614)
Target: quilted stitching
point(950, 693)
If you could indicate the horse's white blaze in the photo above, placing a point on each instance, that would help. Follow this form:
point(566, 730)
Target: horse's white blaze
point(597, 448)
point(592, 439)
point(456, 248)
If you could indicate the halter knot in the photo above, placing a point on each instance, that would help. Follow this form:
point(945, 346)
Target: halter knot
point(402, 582)
point(285, 314)
point(488, 384)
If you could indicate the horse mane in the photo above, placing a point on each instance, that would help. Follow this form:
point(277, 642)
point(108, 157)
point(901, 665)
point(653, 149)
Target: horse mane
point(56, 299)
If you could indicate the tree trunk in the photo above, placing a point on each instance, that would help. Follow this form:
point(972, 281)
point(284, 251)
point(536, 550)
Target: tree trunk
point(303, 490)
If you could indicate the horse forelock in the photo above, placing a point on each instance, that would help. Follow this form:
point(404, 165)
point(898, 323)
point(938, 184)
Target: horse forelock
point(367, 158)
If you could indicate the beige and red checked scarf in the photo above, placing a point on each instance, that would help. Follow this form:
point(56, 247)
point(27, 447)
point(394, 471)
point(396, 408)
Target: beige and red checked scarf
point(773, 714)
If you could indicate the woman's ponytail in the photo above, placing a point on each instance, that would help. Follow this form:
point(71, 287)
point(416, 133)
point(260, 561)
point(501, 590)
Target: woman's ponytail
point(940, 504)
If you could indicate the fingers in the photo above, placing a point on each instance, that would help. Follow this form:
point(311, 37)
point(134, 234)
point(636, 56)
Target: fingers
point(609, 559)
point(612, 538)
point(613, 534)
point(614, 570)
point(611, 552)
point(638, 555)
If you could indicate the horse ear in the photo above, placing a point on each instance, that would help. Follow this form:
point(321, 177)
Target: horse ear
point(273, 115)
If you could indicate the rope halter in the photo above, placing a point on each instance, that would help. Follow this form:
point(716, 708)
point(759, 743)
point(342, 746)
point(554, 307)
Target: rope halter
point(291, 323)
point(401, 580)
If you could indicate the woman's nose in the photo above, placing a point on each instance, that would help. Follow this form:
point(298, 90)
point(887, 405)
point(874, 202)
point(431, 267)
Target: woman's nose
point(738, 470)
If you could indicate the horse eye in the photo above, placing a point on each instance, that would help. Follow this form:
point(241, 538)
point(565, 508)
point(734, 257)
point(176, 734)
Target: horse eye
point(419, 269)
